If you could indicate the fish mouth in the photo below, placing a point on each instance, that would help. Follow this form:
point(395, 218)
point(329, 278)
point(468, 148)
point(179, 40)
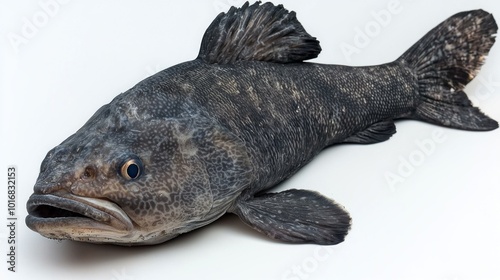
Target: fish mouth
point(67, 216)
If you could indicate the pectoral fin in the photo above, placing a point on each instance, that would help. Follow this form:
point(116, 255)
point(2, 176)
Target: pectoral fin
point(296, 216)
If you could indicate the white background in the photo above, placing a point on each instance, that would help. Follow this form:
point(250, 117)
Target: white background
point(441, 222)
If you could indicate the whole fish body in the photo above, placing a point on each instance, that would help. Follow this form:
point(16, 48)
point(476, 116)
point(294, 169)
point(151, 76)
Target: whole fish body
point(209, 136)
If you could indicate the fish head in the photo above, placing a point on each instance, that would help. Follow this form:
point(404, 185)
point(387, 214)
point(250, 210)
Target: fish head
point(132, 175)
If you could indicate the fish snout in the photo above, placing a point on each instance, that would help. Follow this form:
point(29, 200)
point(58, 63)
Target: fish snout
point(51, 184)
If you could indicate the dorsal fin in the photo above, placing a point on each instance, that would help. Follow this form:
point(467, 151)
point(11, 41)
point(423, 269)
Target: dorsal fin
point(257, 32)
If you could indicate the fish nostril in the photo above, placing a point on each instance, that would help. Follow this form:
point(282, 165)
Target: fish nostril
point(89, 173)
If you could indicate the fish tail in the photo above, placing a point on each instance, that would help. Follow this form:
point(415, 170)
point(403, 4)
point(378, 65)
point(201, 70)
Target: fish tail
point(444, 61)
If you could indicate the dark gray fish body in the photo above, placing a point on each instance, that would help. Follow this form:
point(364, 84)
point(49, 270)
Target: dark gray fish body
point(207, 137)
point(285, 114)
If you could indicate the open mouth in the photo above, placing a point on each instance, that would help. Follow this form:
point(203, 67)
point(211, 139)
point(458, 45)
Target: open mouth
point(67, 216)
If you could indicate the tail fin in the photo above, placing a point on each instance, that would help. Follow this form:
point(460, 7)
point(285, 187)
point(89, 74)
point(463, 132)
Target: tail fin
point(444, 61)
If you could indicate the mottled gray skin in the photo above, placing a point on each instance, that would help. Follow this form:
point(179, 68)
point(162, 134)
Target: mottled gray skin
point(208, 136)
point(285, 114)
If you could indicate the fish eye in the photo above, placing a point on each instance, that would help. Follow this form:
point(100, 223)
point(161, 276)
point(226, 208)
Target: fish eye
point(131, 169)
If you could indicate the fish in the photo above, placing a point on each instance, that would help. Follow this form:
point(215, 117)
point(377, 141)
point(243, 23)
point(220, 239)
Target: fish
point(212, 136)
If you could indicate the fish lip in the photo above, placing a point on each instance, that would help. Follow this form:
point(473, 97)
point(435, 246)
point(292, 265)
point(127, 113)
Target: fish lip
point(54, 212)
